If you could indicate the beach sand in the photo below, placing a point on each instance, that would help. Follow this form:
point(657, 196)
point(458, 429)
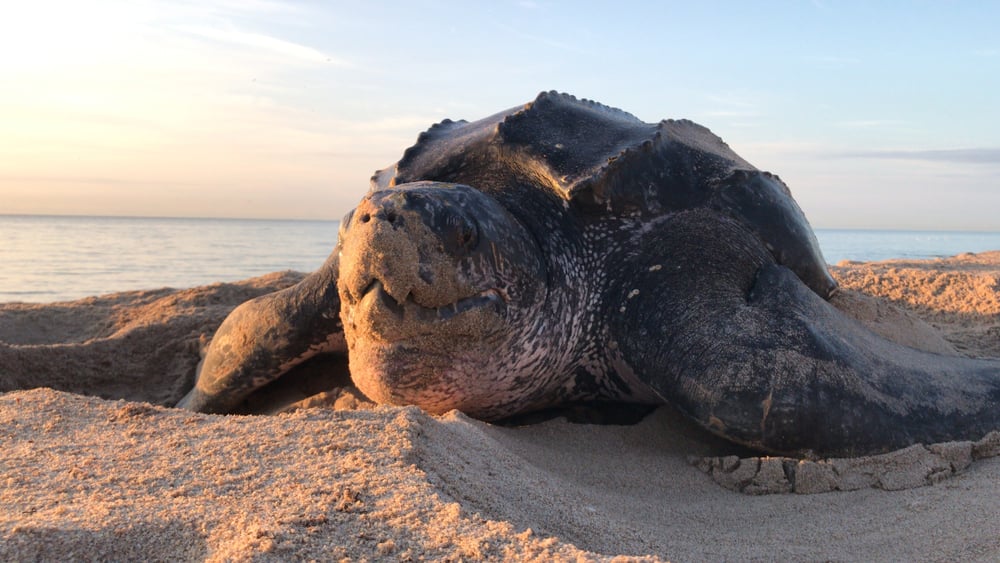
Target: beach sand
point(93, 466)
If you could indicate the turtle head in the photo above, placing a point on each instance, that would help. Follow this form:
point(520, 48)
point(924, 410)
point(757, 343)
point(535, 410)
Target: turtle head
point(439, 285)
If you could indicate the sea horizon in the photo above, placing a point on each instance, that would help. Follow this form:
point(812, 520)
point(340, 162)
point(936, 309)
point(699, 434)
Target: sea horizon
point(319, 220)
point(51, 257)
point(163, 217)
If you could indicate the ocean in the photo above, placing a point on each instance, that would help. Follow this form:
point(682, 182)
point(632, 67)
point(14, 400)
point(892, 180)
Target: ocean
point(60, 258)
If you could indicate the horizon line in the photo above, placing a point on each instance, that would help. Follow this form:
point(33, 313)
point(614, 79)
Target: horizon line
point(303, 220)
point(171, 217)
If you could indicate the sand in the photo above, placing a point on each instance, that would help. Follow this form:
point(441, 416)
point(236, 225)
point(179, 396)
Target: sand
point(94, 466)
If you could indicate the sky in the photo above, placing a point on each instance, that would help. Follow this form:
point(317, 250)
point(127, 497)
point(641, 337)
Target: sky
point(876, 114)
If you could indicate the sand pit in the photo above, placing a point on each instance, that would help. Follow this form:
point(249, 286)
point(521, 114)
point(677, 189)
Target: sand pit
point(111, 478)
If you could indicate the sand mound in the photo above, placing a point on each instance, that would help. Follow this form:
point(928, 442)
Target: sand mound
point(109, 479)
point(138, 345)
point(959, 296)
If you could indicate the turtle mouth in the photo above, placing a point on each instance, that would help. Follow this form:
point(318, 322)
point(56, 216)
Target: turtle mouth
point(375, 296)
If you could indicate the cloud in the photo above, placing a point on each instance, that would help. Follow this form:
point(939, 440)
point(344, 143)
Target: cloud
point(731, 100)
point(831, 60)
point(730, 113)
point(281, 47)
point(205, 10)
point(542, 40)
point(255, 6)
point(868, 123)
point(97, 180)
point(730, 107)
point(398, 123)
point(964, 156)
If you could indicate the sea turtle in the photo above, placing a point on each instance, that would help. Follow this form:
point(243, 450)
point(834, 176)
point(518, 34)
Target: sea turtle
point(567, 251)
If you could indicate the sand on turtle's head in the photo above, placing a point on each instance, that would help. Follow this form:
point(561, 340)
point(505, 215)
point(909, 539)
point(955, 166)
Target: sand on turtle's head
point(403, 254)
point(439, 285)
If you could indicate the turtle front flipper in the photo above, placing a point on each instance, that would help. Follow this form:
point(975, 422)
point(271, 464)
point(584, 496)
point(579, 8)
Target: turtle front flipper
point(266, 337)
point(715, 327)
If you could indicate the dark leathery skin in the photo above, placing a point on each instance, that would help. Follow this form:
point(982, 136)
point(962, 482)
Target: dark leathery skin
point(743, 347)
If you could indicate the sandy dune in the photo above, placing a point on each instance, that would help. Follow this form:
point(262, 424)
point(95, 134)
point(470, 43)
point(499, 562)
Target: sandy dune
point(120, 478)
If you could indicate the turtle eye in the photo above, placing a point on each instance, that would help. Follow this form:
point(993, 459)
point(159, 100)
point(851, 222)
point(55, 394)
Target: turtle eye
point(467, 236)
point(461, 234)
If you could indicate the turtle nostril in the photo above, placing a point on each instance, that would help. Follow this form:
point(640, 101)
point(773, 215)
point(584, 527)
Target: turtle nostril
point(365, 218)
point(391, 217)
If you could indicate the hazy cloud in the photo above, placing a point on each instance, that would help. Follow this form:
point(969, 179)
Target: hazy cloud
point(968, 156)
point(397, 123)
point(831, 60)
point(260, 41)
point(731, 100)
point(730, 113)
point(867, 123)
point(225, 9)
point(731, 106)
point(258, 6)
point(540, 39)
point(99, 181)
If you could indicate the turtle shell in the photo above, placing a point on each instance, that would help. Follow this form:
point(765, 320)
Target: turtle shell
point(609, 164)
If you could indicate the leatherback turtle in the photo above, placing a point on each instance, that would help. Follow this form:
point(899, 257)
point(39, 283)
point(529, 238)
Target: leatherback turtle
point(566, 251)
